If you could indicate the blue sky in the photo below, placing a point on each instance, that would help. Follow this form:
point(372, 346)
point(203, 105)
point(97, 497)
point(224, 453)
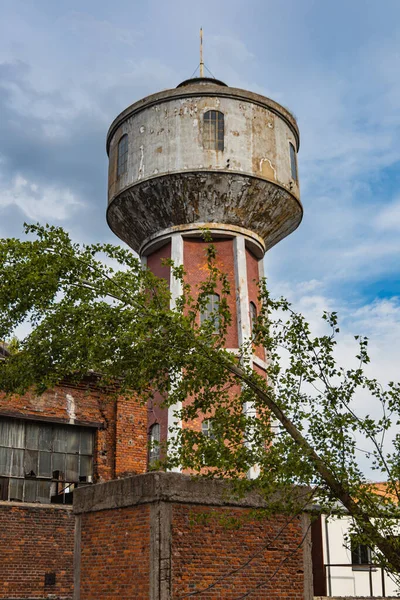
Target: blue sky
point(67, 69)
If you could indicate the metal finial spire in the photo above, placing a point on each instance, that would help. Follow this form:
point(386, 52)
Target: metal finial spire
point(201, 53)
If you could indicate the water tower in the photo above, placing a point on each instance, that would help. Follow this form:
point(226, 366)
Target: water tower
point(205, 155)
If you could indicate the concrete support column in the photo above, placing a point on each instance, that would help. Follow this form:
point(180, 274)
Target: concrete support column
point(176, 291)
point(243, 316)
point(177, 257)
point(242, 294)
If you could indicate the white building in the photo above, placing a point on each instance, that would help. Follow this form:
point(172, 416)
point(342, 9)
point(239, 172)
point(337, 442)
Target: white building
point(340, 570)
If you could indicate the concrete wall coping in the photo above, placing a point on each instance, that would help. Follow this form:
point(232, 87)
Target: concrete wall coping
point(26, 505)
point(159, 486)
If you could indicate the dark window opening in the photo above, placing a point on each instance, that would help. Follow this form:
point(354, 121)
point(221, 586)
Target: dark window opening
point(122, 165)
point(253, 315)
point(211, 311)
point(213, 130)
point(154, 451)
point(360, 554)
point(293, 162)
point(42, 462)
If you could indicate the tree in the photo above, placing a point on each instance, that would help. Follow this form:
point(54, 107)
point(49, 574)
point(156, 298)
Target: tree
point(94, 308)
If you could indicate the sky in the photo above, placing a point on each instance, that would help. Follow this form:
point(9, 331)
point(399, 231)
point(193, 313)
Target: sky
point(68, 68)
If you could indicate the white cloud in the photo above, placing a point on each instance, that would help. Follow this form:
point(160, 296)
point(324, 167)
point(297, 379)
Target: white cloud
point(41, 202)
point(389, 217)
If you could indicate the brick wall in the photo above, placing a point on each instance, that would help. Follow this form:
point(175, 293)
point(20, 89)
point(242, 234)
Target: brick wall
point(228, 549)
point(35, 540)
point(120, 424)
point(115, 554)
point(77, 404)
point(130, 438)
point(156, 412)
point(252, 265)
point(160, 536)
point(195, 263)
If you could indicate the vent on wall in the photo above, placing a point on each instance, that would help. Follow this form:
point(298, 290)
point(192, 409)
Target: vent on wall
point(49, 579)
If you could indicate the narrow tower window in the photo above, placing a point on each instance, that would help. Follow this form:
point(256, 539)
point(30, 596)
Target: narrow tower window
point(253, 315)
point(213, 130)
point(293, 163)
point(211, 311)
point(122, 155)
point(207, 429)
point(154, 453)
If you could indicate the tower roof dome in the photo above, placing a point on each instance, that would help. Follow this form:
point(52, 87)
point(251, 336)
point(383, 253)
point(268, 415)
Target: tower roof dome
point(202, 81)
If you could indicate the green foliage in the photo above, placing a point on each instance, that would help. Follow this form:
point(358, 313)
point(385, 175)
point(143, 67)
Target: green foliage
point(94, 308)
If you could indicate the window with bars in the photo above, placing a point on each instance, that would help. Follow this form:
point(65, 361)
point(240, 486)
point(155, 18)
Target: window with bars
point(154, 450)
point(360, 554)
point(43, 462)
point(122, 165)
point(293, 161)
point(211, 311)
point(213, 130)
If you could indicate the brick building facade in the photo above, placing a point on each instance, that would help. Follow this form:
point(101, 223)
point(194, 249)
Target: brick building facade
point(94, 437)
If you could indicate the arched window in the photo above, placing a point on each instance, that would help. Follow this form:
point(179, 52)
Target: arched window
point(253, 315)
point(122, 164)
point(293, 163)
point(211, 311)
point(213, 130)
point(154, 451)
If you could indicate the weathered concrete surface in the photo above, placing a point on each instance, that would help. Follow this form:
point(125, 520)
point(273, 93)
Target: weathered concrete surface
point(169, 138)
point(204, 87)
point(141, 210)
point(160, 487)
point(172, 176)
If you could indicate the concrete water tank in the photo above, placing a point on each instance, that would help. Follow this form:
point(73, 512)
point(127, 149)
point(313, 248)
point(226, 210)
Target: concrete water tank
point(203, 154)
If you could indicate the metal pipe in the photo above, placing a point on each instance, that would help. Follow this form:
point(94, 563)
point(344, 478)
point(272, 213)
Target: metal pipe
point(370, 581)
point(328, 558)
point(201, 53)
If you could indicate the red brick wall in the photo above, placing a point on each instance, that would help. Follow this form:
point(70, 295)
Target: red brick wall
point(157, 413)
point(120, 448)
point(253, 276)
point(195, 263)
point(131, 438)
point(115, 554)
point(154, 261)
point(121, 438)
point(35, 541)
point(81, 403)
point(207, 545)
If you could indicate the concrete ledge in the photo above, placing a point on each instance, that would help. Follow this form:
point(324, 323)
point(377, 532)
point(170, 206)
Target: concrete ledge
point(159, 486)
point(25, 505)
